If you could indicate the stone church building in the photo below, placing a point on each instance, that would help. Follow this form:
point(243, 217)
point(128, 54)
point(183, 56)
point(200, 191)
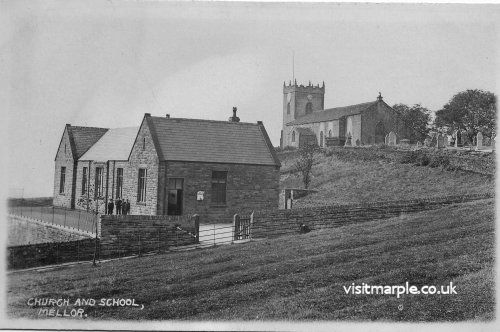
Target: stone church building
point(169, 166)
point(305, 120)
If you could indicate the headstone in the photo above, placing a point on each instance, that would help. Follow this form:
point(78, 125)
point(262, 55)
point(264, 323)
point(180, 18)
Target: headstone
point(446, 140)
point(458, 139)
point(358, 143)
point(419, 144)
point(439, 141)
point(391, 139)
point(387, 139)
point(479, 140)
point(427, 142)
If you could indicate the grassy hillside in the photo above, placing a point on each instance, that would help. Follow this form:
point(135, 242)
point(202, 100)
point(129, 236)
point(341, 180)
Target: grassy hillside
point(340, 181)
point(298, 277)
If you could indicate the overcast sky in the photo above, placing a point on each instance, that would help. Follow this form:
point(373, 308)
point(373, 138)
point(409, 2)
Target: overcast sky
point(108, 63)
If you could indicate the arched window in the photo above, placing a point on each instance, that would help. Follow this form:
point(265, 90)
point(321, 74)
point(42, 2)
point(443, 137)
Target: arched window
point(321, 139)
point(293, 136)
point(330, 133)
point(309, 108)
point(288, 108)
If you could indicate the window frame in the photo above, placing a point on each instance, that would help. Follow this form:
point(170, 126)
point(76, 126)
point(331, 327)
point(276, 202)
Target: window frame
point(141, 189)
point(119, 183)
point(99, 182)
point(85, 175)
point(62, 180)
point(219, 187)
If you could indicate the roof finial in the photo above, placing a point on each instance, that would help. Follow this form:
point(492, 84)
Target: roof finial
point(379, 98)
point(234, 118)
point(323, 84)
point(295, 81)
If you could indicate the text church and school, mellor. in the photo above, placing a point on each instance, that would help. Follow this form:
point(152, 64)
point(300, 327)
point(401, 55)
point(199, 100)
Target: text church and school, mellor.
point(169, 166)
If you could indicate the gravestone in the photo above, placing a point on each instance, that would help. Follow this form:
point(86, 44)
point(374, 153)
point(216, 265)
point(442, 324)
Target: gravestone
point(446, 140)
point(439, 141)
point(387, 139)
point(427, 142)
point(419, 144)
point(479, 140)
point(358, 143)
point(391, 138)
point(458, 139)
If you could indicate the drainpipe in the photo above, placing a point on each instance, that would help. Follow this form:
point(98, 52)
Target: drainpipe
point(107, 187)
point(88, 188)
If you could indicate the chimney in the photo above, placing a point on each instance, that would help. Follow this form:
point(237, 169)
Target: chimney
point(167, 116)
point(234, 118)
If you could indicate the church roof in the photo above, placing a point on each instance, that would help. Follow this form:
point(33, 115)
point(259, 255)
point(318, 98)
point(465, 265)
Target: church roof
point(178, 139)
point(82, 138)
point(115, 144)
point(333, 113)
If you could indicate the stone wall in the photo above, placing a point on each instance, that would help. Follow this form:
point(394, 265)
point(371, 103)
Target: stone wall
point(137, 234)
point(64, 158)
point(50, 253)
point(249, 187)
point(269, 224)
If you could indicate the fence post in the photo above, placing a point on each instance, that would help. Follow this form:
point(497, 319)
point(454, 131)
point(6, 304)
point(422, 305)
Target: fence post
point(197, 228)
point(78, 223)
point(52, 215)
point(236, 226)
point(159, 239)
point(65, 213)
point(251, 226)
point(140, 245)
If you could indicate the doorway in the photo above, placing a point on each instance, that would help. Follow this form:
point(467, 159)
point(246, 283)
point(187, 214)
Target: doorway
point(174, 196)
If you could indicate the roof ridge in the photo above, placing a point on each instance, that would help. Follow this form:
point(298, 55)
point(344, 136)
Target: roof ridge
point(205, 120)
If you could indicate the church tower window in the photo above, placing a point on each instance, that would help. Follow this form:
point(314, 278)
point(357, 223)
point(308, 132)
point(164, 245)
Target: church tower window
point(309, 108)
point(293, 136)
point(288, 108)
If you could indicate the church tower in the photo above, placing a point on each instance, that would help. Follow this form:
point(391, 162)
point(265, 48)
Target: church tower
point(299, 100)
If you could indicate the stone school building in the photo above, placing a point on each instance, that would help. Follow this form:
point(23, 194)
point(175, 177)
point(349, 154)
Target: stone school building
point(305, 120)
point(169, 166)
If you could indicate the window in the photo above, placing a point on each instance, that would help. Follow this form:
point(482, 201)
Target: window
point(330, 133)
point(84, 181)
point(144, 143)
point(174, 200)
point(98, 182)
point(293, 136)
point(141, 185)
point(219, 180)
point(62, 180)
point(119, 182)
point(309, 109)
point(288, 108)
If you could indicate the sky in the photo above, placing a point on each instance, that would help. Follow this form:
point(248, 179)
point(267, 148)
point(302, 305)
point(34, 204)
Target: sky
point(105, 64)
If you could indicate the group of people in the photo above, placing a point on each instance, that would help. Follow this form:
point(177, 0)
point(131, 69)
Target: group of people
point(122, 206)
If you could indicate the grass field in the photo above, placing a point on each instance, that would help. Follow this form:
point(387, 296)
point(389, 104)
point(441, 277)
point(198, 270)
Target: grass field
point(356, 182)
point(299, 277)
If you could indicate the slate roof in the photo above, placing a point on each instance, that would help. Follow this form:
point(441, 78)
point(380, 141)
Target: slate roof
point(212, 141)
point(115, 144)
point(82, 138)
point(333, 113)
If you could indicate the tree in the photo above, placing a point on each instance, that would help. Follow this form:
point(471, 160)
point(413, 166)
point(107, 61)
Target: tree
point(416, 118)
point(305, 162)
point(470, 111)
